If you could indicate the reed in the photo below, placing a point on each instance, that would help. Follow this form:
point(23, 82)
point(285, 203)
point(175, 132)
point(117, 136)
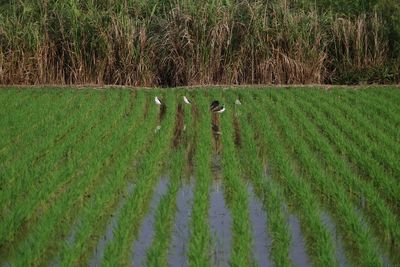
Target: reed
point(187, 42)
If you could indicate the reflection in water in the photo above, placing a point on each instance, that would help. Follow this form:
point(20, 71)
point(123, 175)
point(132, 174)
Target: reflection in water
point(146, 231)
point(298, 249)
point(98, 252)
point(220, 224)
point(180, 235)
point(330, 225)
point(261, 240)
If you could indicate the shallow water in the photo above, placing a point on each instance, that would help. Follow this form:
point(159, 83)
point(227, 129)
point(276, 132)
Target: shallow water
point(180, 235)
point(261, 240)
point(98, 252)
point(297, 252)
point(338, 242)
point(146, 230)
point(220, 224)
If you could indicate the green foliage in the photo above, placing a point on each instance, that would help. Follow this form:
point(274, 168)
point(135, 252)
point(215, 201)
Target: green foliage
point(68, 156)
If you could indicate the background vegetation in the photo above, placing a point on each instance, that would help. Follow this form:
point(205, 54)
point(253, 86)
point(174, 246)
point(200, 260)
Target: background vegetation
point(186, 42)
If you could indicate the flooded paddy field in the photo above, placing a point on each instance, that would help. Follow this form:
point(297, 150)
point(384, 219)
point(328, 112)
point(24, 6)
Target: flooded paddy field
point(226, 177)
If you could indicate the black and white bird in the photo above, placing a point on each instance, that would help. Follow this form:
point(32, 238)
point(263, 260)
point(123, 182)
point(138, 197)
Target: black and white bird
point(219, 109)
point(186, 100)
point(157, 100)
point(237, 102)
point(214, 105)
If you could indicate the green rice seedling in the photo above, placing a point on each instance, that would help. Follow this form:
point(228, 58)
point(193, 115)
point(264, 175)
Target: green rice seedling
point(157, 252)
point(18, 103)
point(23, 175)
point(370, 106)
point(235, 192)
point(368, 137)
point(200, 239)
point(386, 185)
point(319, 244)
point(117, 250)
point(379, 213)
point(67, 200)
point(20, 124)
point(36, 158)
point(365, 249)
point(266, 189)
point(106, 197)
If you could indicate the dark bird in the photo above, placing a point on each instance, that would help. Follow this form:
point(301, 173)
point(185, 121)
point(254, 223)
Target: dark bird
point(214, 105)
point(219, 109)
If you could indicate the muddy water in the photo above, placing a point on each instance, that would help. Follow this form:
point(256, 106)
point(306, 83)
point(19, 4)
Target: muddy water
point(146, 230)
point(330, 225)
point(261, 240)
point(180, 235)
point(297, 252)
point(98, 252)
point(220, 224)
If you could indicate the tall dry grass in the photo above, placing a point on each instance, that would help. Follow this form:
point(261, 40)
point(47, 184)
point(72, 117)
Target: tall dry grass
point(187, 42)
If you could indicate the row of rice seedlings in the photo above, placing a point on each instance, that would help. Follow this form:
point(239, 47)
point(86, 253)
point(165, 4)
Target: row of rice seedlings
point(388, 95)
point(370, 106)
point(93, 217)
point(266, 189)
point(158, 251)
point(235, 194)
point(18, 102)
point(387, 186)
point(118, 250)
point(15, 107)
point(200, 237)
point(164, 218)
point(57, 180)
point(318, 241)
point(387, 228)
point(38, 160)
point(36, 136)
point(373, 109)
point(367, 136)
point(365, 249)
point(67, 202)
point(23, 177)
point(19, 122)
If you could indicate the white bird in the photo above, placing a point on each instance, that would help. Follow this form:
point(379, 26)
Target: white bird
point(237, 102)
point(157, 128)
point(157, 100)
point(220, 110)
point(186, 100)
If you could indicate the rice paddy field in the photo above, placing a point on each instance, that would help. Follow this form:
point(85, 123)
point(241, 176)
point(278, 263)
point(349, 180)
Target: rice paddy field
point(291, 177)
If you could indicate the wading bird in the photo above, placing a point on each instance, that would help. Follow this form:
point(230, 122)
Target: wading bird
point(186, 100)
point(214, 105)
point(219, 109)
point(157, 100)
point(237, 102)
